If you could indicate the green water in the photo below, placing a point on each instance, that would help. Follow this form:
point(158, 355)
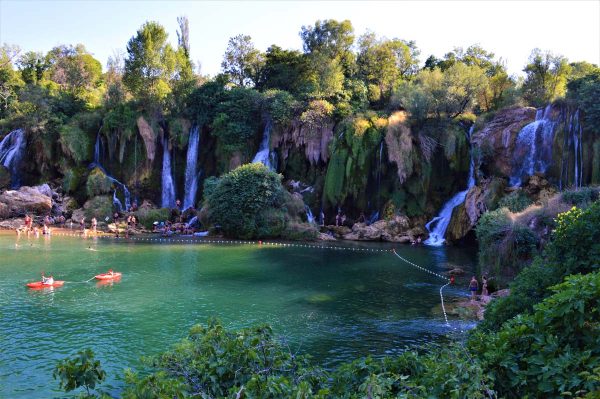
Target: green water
point(334, 304)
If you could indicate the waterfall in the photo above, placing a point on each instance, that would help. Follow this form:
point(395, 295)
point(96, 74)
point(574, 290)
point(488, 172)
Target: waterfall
point(97, 150)
point(534, 147)
point(191, 172)
point(576, 130)
point(438, 225)
point(192, 221)
point(309, 215)
point(168, 187)
point(116, 201)
point(264, 155)
point(11, 152)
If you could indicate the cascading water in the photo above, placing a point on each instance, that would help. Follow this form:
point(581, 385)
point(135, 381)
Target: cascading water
point(168, 186)
point(191, 172)
point(576, 130)
point(264, 155)
point(11, 152)
point(309, 215)
point(438, 225)
point(533, 148)
point(116, 201)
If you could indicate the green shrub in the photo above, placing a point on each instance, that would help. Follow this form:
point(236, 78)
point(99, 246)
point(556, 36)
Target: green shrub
point(515, 201)
point(299, 231)
point(72, 180)
point(239, 199)
point(75, 143)
point(215, 363)
point(581, 197)
point(79, 371)
point(553, 352)
point(574, 248)
point(147, 217)
point(98, 183)
point(99, 207)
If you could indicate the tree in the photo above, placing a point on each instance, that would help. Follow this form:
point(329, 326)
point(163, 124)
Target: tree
point(546, 77)
point(150, 64)
point(329, 37)
point(79, 371)
point(247, 202)
point(285, 70)
point(584, 92)
point(242, 62)
point(9, 78)
point(383, 62)
point(74, 69)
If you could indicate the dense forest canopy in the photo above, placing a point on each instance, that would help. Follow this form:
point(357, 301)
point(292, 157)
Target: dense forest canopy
point(335, 100)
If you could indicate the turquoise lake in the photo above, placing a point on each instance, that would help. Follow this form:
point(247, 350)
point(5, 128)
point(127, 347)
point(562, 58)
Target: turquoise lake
point(335, 304)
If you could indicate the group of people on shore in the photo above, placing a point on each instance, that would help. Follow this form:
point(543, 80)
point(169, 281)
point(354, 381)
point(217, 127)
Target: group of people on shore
point(29, 226)
point(474, 287)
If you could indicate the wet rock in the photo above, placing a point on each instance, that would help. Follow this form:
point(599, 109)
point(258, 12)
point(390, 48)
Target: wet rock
point(496, 140)
point(149, 137)
point(12, 224)
point(478, 200)
point(325, 237)
point(25, 200)
point(396, 229)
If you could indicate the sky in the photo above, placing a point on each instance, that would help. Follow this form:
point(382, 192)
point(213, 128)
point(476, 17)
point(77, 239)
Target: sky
point(510, 29)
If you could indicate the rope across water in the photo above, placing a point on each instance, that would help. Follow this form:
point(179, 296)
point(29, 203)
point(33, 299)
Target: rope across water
point(190, 240)
point(433, 273)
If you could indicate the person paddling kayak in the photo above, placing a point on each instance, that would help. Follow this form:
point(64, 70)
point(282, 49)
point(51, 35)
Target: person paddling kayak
point(47, 280)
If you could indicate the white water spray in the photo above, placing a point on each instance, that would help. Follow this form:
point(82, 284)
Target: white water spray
point(11, 152)
point(438, 225)
point(191, 169)
point(168, 186)
point(264, 155)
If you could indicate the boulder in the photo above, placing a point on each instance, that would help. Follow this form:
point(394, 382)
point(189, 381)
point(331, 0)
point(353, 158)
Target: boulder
point(478, 200)
point(496, 140)
point(25, 200)
point(396, 229)
point(12, 224)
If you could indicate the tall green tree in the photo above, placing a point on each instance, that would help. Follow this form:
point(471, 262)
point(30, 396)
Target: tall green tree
point(381, 63)
point(150, 64)
point(546, 78)
point(243, 62)
point(285, 70)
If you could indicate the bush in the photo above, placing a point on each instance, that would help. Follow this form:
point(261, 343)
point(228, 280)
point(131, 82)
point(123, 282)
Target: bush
point(99, 207)
point(240, 198)
point(213, 362)
point(553, 352)
point(581, 197)
point(98, 183)
point(515, 201)
point(147, 217)
point(79, 371)
point(574, 248)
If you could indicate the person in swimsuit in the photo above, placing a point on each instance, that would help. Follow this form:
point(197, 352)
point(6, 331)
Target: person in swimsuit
point(473, 287)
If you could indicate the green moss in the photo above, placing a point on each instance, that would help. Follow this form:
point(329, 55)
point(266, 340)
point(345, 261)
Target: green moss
point(99, 207)
point(98, 183)
point(147, 217)
point(515, 201)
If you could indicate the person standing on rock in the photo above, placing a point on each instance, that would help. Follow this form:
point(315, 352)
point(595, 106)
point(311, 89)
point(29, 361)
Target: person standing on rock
point(473, 287)
point(484, 286)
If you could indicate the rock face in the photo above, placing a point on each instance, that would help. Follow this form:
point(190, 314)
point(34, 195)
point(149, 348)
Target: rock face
point(497, 139)
point(25, 200)
point(149, 137)
point(315, 140)
point(395, 230)
point(479, 199)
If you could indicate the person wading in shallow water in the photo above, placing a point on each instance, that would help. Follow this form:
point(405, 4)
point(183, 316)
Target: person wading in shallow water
point(473, 287)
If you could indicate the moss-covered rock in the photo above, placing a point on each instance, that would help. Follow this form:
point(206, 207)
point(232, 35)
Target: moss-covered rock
point(98, 183)
point(99, 207)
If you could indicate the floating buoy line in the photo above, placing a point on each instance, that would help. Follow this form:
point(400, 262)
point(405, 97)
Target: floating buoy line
point(189, 240)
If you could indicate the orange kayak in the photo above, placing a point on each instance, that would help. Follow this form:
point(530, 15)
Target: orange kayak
point(108, 276)
point(39, 284)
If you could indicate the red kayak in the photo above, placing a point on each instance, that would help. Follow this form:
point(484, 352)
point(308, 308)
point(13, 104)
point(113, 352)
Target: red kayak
point(108, 276)
point(39, 284)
